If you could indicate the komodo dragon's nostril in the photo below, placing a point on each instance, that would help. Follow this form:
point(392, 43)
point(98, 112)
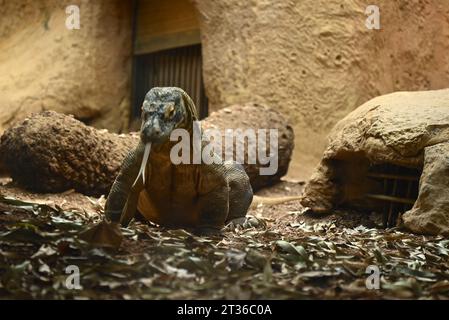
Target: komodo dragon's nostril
point(156, 128)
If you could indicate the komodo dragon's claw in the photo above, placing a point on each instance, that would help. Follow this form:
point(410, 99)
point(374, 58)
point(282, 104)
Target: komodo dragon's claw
point(246, 223)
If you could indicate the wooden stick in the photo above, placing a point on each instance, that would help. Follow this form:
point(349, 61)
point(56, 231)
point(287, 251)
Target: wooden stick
point(390, 198)
point(391, 176)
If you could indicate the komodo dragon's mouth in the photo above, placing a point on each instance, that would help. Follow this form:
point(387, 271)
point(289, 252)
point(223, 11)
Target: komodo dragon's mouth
point(143, 165)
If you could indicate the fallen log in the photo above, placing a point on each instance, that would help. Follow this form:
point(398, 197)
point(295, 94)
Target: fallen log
point(52, 152)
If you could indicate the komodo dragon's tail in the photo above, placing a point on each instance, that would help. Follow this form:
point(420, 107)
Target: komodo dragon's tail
point(272, 200)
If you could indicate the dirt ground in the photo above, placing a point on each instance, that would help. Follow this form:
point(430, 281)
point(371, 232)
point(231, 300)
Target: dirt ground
point(69, 200)
point(292, 255)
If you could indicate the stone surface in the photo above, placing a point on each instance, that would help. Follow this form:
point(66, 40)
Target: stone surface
point(254, 116)
point(317, 61)
point(51, 152)
point(430, 213)
point(45, 66)
point(409, 129)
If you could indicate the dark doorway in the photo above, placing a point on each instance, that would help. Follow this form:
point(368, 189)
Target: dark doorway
point(178, 67)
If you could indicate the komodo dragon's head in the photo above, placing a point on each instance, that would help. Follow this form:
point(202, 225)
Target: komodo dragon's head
point(164, 109)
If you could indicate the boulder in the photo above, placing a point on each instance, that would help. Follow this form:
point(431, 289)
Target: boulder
point(376, 153)
point(53, 152)
point(46, 66)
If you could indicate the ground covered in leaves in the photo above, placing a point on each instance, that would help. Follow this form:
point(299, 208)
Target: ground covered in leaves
point(295, 256)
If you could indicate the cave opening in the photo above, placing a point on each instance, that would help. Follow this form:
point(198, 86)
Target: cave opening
point(399, 191)
point(381, 188)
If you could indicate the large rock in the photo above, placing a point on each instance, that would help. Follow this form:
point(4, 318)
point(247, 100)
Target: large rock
point(430, 214)
point(253, 116)
point(407, 130)
point(45, 66)
point(317, 61)
point(51, 152)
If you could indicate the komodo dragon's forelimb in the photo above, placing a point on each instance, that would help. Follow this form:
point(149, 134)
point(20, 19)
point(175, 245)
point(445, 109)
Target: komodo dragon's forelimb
point(122, 206)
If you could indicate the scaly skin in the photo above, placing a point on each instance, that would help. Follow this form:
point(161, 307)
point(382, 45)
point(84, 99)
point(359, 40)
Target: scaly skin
point(203, 197)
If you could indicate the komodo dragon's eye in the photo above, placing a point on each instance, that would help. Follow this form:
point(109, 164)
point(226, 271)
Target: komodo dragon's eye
point(169, 111)
point(144, 115)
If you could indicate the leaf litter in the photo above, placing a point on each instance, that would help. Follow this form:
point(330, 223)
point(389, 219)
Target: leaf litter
point(290, 257)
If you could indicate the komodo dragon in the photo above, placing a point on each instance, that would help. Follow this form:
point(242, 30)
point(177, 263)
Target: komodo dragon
point(202, 197)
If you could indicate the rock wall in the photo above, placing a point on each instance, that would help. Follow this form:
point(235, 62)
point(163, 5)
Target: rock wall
point(45, 66)
point(316, 60)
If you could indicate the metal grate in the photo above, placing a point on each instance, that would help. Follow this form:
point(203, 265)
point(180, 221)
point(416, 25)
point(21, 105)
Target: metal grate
point(179, 67)
point(400, 190)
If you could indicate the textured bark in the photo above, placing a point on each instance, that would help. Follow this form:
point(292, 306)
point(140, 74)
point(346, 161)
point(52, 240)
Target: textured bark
point(52, 152)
